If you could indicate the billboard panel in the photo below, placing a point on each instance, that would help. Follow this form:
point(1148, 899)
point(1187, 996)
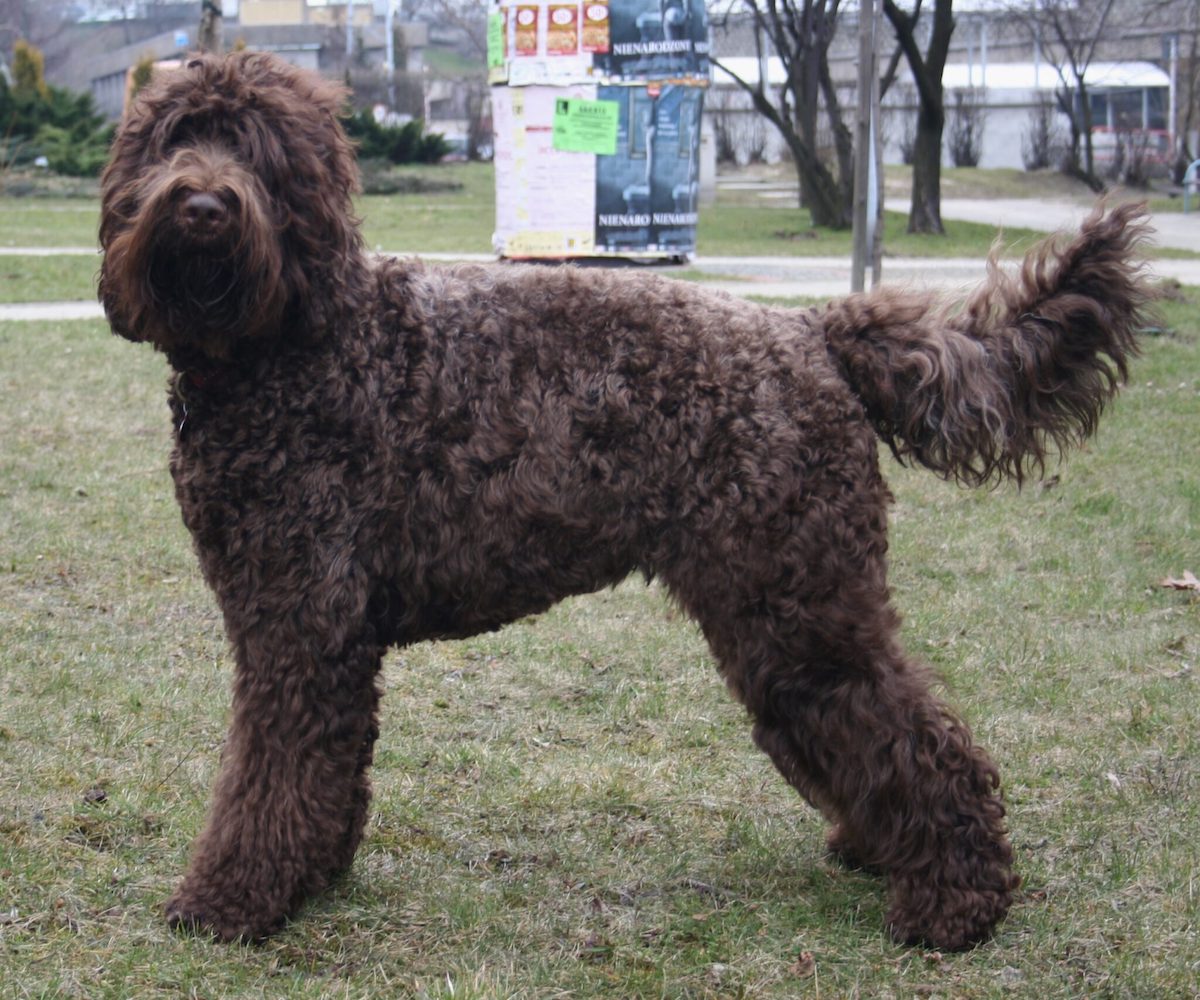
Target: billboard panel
point(597, 125)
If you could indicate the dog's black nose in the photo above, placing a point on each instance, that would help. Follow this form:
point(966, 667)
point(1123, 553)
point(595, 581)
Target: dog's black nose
point(204, 212)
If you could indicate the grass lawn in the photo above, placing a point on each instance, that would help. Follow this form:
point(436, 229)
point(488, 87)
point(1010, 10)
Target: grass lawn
point(44, 279)
point(461, 220)
point(442, 221)
point(1001, 182)
point(742, 227)
point(572, 807)
point(49, 222)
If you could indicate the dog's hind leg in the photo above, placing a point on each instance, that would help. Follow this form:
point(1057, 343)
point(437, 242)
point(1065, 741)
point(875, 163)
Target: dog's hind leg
point(910, 794)
point(290, 802)
point(807, 641)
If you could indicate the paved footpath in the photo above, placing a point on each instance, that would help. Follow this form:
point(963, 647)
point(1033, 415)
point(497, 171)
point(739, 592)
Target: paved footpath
point(1172, 229)
point(828, 277)
point(817, 277)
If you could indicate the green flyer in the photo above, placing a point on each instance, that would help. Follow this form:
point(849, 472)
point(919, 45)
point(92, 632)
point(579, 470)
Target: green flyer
point(495, 40)
point(582, 126)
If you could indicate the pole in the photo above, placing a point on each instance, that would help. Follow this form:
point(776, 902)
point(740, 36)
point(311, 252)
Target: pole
point(983, 44)
point(390, 61)
point(1172, 98)
point(864, 141)
point(875, 204)
point(1037, 58)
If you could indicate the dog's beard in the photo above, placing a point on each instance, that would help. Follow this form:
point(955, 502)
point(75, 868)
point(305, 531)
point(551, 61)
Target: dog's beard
point(201, 292)
point(207, 296)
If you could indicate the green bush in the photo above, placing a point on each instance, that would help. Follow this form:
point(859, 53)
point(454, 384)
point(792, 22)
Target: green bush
point(69, 153)
point(408, 143)
point(55, 123)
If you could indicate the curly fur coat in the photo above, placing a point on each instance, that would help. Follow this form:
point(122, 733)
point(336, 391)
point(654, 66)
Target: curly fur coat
point(373, 452)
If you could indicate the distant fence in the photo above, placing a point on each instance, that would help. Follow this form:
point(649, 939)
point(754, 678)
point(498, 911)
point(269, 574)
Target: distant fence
point(1152, 145)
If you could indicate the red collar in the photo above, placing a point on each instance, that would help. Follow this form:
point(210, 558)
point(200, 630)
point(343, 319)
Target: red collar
point(203, 379)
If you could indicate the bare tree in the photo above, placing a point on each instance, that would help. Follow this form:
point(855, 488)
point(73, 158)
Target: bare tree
point(925, 214)
point(1189, 92)
point(799, 33)
point(18, 19)
point(38, 22)
point(470, 18)
point(740, 133)
point(899, 121)
point(1070, 32)
point(966, 126)
point(1040, 145)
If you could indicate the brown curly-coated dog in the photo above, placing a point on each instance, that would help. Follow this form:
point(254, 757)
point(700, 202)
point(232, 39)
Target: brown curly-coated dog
point(372, 452)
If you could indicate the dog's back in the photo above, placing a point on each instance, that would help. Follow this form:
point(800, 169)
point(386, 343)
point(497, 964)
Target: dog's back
point(577, 425)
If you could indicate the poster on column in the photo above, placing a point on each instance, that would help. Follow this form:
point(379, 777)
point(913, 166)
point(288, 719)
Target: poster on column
point(545, 197)
point(656, 40)
point(646, 194)
point(572, 41)
point(545, 44)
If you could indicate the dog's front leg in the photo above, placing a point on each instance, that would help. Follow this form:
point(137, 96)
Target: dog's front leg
point(291, 798)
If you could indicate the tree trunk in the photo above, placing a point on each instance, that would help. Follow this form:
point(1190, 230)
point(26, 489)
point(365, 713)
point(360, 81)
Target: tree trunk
point(800, 34)
point(1081, 133)
point(925, 215)
point(1089, 148)
point(210, 26)
point(828, 208)
point(820, 192)
point(843, 142)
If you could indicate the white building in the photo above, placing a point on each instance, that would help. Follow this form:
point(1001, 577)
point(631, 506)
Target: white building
point(1125, 96)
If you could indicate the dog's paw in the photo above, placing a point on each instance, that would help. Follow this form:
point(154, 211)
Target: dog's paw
point(947, 918)
point(842, 849)
point(192, 913)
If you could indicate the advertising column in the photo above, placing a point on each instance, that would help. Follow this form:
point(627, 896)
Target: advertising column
point(596, 110)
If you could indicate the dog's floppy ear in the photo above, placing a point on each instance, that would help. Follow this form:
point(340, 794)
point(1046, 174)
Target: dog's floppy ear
point(139, 140)
point(131, 151)
point(303, 107)
point(323, 248)
point(332, 100)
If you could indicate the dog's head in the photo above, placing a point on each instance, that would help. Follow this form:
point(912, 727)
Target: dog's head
point(225, 208)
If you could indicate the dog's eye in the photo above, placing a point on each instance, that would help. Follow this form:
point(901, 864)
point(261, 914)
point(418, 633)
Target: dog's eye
point(190, 130)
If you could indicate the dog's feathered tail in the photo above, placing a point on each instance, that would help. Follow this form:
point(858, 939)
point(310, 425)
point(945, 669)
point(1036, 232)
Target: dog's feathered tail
point(1022, 370)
